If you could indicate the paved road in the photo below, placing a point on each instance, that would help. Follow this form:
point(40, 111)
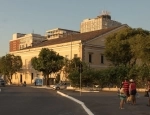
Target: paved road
point(32, 101)
point(107, 103)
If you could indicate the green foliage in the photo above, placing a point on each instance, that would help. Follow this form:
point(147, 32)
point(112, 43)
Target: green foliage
point(10, 64)
point(47, 62)
point(118, 48)
point(112, 76)
point(73, 69)
point(88, 76)
point(57, 80)
point(74, 78)
point(125, 46)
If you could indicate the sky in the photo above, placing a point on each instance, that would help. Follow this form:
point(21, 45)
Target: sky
point(38, 16)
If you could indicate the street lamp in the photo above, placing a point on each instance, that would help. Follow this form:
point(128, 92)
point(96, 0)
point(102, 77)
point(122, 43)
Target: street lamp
point(80, 71)
point(71, 48)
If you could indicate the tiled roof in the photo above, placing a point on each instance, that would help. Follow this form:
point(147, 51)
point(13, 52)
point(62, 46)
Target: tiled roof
point(75, 37)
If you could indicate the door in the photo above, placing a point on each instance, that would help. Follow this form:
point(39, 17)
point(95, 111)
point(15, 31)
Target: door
point(20, 78)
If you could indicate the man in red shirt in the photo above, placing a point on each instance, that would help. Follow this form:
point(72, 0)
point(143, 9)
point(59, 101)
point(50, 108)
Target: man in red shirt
point(132, 90)
point(125, 85)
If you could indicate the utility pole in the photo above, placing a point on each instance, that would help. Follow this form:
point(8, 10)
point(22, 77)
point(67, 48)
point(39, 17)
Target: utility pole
point(80, 70)
point(71, 48)
point(80, 82)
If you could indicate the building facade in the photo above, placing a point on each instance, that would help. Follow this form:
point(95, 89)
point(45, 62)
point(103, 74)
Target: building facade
point(100, 22)
point(89, 47)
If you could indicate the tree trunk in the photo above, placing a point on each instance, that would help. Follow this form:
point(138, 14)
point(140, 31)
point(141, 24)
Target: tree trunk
point(47, 80)
point(8, 78)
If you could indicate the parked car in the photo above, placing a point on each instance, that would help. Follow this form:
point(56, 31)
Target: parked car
point(2, 82)
point(60, 86)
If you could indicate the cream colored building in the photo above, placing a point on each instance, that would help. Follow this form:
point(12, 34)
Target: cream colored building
point(100, 22)
point(88, 46)
point(58, 33)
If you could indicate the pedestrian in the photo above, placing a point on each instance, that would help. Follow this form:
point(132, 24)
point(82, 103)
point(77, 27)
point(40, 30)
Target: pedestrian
point(122, 98)
point(132, 91)
point(148, 89)
point(35, 82)
point(24, 84)
point(126, 89)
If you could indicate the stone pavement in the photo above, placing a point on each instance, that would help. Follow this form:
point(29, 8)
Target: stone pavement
point(107, 103)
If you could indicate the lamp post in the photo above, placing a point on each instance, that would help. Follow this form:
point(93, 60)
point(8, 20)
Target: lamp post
point(80, 70)
point(80, 82)
point(71, 48)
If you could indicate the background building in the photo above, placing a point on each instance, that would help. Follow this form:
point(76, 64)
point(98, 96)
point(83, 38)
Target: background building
point(59, 32)
point(100, 22)
point(21, 41)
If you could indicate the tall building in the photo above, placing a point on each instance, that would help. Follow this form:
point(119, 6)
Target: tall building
point(21, 41)
point(59, 32)
point(100, 22)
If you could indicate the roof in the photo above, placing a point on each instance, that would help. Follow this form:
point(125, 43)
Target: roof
point(61, 29)
point(75, 37)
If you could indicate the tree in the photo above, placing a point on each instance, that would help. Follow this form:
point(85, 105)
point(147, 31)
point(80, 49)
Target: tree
point(10, 64)
point(71, 69)
point(47, 62)
point(74, 67)
point(118, 48)
point(125, 46)
point(131, 48)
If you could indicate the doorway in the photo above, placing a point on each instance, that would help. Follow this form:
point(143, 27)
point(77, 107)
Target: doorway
point(20, 78)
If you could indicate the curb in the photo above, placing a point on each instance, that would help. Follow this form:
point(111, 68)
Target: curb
point(41, 87)
point(77, 101)
point(86, 91)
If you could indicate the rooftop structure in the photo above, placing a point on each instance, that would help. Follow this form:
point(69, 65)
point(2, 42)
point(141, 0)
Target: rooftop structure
point(58, 33)
point(100, 22)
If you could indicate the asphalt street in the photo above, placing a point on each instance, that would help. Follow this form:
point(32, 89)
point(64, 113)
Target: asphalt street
point(107, 103)
point(45, 101)
point(34, 101)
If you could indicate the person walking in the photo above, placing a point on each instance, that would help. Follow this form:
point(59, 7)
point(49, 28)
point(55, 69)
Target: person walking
point(126, 89)
point(122, 96)
point(148, 89)
point(132, 91)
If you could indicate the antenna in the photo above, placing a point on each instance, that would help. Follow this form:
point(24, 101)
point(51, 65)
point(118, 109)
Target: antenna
point(105, 12)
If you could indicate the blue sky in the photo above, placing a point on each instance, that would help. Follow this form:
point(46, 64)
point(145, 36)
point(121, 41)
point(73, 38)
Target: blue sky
point(26, 16)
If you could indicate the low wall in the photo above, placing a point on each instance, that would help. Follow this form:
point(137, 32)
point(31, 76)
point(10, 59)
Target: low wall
point(100, 89)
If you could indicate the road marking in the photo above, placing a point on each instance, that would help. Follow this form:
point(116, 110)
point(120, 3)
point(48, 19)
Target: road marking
point(79, 102)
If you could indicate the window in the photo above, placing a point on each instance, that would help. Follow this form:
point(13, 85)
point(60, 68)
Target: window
point(90, 57)
point(31, 76)
point(102, 58)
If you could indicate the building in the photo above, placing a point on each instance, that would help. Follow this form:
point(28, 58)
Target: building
point(59, 32)
point(88, 46)
point(20, 41)
point(100, 22)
